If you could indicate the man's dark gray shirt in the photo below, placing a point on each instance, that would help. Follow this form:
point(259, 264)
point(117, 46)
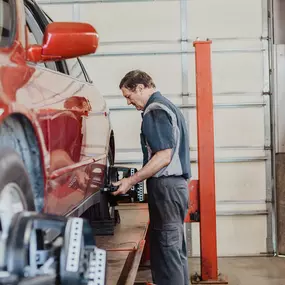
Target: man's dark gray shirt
point(164, 127)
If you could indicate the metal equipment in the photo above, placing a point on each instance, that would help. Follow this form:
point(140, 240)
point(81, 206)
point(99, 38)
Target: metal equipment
point(70, 258)
point(104, 217)
point(116, 173)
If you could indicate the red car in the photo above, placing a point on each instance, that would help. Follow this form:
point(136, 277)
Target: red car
point(55, 133)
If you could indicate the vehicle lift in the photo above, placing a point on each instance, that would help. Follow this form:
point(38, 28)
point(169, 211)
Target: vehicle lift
point(202, 200)
point(202, 197)
point(74, 258)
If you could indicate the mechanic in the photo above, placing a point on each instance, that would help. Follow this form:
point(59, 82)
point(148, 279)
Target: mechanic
point(166, 167)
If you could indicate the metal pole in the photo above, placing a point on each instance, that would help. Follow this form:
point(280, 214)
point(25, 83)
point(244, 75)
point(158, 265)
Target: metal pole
point(206, 164)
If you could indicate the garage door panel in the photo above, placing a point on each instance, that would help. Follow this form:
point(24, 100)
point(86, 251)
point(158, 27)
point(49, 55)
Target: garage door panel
point(239, 127)
point(227, 154)
point(225, 44)
point(233, 127)
point(127, 21)
point(241, 207)
point(55, 12)
point(234, 237)
point(233, 72)
point(245, 98)
point(134, 48)
point(237, 181)
point(224, 18)
point(108, 72)
point(126, 128)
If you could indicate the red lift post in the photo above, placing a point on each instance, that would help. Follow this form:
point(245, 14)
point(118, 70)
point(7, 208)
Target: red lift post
point(202, 207)
point(202, 202)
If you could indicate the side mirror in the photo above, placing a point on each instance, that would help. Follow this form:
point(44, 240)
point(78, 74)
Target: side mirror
point(64, 40)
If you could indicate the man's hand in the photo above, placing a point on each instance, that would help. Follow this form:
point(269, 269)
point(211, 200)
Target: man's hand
point(124, 186)
point(158, 161)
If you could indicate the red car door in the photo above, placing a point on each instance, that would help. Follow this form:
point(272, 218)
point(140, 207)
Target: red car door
point(64, 118)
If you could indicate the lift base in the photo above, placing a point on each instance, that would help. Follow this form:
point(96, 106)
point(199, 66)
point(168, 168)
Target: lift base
point(222, 279)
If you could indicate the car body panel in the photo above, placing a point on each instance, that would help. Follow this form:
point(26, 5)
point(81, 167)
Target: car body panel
point(70, 119)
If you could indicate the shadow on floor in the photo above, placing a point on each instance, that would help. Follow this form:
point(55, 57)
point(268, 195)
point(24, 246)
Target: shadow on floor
point(240, 270)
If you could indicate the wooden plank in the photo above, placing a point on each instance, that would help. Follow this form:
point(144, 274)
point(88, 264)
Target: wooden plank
point(125, 247)
point(135, 265)
point(115, 265)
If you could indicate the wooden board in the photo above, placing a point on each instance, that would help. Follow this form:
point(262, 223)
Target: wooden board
point(115, 264)
point(124, 248)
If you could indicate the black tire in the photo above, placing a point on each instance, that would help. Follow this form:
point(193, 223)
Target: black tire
point(110, 160)
point(111, 156)
point(12, 170)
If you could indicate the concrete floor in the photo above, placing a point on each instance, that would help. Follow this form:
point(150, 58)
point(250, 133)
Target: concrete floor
point(241, 270)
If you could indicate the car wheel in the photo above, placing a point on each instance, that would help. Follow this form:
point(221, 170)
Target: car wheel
point(110, 157)
point(15, 193)
point(109, 163)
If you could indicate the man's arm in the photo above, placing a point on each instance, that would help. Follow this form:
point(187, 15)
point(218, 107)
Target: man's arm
point(158, 130)
point(161, 159)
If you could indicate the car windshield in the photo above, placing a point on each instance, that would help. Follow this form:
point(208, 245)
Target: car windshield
point(6, 19)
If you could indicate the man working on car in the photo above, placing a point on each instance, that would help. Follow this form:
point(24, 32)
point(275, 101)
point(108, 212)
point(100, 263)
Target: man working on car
point(165, 145)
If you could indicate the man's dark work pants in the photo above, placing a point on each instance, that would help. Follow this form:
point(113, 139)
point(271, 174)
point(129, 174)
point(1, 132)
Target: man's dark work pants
point(168, 203)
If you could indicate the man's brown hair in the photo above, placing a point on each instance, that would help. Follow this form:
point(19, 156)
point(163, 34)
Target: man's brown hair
point(135, 77)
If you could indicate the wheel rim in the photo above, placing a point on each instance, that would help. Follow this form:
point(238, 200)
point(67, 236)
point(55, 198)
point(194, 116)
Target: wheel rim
point(12, 201)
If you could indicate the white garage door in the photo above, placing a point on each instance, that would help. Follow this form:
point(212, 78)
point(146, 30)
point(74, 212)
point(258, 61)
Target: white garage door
point(157, 36)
